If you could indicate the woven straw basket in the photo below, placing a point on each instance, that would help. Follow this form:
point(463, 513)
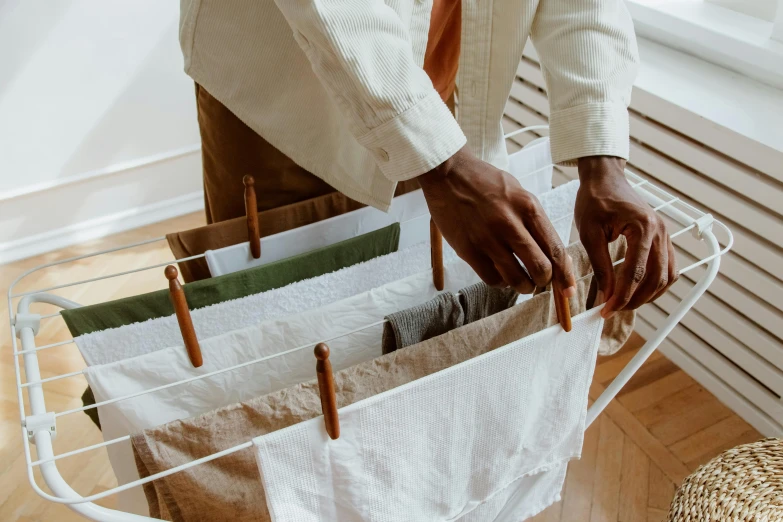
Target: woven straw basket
point(742, 484)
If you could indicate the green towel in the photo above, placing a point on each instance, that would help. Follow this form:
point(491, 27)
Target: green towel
point(113, 314)
point(206, 292)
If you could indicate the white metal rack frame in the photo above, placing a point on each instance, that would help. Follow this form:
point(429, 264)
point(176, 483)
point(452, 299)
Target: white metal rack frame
point(39, 426)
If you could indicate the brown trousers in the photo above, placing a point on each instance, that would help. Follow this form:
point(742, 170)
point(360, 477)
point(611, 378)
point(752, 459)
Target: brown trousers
point(288, 196)
point(230, 150)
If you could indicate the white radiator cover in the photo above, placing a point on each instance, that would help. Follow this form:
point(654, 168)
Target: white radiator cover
point(731, 342)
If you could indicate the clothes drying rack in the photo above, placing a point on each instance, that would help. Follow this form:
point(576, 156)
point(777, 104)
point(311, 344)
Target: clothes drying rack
point(39, 426)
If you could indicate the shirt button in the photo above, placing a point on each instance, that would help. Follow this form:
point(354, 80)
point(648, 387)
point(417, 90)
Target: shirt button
point(383, 155)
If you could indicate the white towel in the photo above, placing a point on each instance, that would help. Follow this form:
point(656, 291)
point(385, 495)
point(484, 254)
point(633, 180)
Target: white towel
point(532, 166)
point(170, 365)
point(130, 340)
point(444, 446)
point(127, 341)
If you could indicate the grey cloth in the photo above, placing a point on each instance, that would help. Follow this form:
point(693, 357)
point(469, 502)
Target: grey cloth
point(419, 323)
point(479, 301)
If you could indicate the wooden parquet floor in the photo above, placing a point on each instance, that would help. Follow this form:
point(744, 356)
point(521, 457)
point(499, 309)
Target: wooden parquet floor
point(662, 426)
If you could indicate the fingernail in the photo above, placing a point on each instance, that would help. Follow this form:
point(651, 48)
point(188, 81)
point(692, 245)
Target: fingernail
point(600, 298)
point(570, 291)
point(607, 313)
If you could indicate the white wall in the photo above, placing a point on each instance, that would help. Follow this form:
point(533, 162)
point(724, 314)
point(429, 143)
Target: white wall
point(764, 9)
point(98, 129)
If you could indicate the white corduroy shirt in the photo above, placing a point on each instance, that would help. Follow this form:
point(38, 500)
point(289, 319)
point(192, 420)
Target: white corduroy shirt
point(338, 85)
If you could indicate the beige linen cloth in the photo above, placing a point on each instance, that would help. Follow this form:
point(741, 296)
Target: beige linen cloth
point(229, 488)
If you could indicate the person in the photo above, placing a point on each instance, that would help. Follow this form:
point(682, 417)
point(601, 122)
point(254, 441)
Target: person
point(358, 96)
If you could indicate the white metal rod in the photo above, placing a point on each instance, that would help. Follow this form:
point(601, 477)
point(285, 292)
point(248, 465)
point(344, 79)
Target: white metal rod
point(51, 299)
point(209, 374)
point(109, 276)
point(64, 494)
point(660, 334)
point(525, 129)
point(77, 258)
point(667, 204)
point(44, 347)
point(51, 475)
point(38, 382)
point(81, 450)
point(146, 480)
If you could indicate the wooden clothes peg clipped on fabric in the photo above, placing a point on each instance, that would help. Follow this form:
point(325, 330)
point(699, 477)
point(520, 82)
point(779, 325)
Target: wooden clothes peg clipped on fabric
point(562, 307)
point(323, 369)
point(436, 256)
point(183, 317)
point(251, 210)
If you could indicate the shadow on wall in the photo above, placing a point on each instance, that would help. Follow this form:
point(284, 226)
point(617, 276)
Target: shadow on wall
point(87, 85)
point(26, 38)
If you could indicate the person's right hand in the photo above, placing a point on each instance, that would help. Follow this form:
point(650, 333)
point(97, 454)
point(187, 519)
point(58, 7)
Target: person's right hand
point(490, 221)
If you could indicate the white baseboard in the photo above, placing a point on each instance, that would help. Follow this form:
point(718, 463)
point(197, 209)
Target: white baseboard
point(99, 227)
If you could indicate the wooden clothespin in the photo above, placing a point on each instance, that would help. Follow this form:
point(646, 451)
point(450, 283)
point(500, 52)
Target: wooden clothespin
point(183, 317)
point(562, 307)
point(251, 210)
point(436, 256)
point(323, 369)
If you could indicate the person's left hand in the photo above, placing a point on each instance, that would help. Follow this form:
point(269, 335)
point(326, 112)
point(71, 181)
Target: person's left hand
point(607, 206)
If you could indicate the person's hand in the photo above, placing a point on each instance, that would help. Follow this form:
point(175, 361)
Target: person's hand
point(607, 206)
point(490, 221)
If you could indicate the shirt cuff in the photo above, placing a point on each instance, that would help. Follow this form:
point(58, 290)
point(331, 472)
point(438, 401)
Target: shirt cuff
point(416, 141)
point(594, 129)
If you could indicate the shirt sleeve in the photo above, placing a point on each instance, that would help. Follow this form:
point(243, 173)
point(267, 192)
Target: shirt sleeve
point(362, 53)
point(589, 58)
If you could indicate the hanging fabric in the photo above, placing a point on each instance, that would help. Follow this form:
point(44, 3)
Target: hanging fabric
point(143, 307)
point(136, 339)
point(481, 300)
point(185, 442)
point(234, 479)
point(442, 446)
point(234, 485)
point(425, 321)
point(188, 243)
point(320, 234)
point(109, 345)
point(114, 417)
point(171, 365)
point(410, 210)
